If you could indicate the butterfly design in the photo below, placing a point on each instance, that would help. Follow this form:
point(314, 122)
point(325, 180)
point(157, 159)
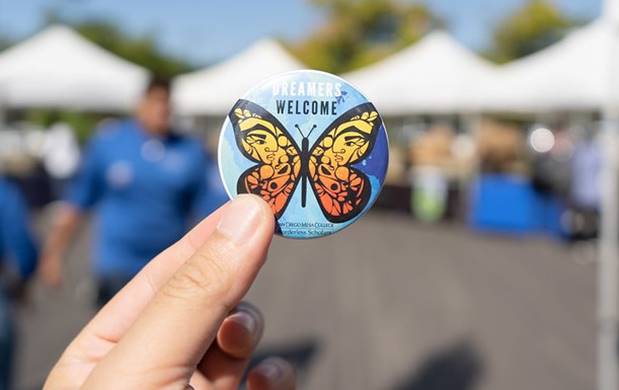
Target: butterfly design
point(342, 98)
point(342, 191)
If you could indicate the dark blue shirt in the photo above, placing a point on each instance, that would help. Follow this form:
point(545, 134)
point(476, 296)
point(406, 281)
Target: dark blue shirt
point(145, 189)
point(17, 245)
point(212, 196)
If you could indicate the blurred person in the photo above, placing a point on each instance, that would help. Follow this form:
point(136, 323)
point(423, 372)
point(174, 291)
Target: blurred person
point(431, 156)
point(501, 148)
point(18, 252)
point(146, 181)
point(178, 324)
point(586, 169)
point(551, 151)
point(60, 154)
point(585, 191)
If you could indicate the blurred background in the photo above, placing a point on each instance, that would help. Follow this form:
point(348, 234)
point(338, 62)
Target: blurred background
point(476, 269)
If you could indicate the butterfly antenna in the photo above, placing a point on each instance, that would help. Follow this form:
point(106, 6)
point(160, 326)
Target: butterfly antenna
point(310, 133)
point(298, 128)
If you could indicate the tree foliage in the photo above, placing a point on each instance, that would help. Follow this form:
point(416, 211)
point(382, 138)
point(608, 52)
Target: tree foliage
point(536, 25)
point(359, 32)
point(82, 123)
point(142, 50)
point(5, 42)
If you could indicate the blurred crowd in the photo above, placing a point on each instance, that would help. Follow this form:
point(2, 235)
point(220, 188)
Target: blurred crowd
point(547, 173)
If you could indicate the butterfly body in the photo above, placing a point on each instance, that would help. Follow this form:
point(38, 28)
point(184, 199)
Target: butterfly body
point(304, 169)
point(305, 158)
point(328, 165)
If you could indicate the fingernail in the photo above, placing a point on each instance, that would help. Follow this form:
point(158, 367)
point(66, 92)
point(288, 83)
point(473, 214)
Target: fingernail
point(240, 218)
point(270, 370)
point(247, 321)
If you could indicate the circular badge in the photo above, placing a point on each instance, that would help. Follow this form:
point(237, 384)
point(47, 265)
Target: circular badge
point(311, 145)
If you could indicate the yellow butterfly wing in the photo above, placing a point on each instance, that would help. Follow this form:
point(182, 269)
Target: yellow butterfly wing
point(343, 191)
point(264, 140)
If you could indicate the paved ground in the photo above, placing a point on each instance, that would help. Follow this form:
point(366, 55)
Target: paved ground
point(391, 304)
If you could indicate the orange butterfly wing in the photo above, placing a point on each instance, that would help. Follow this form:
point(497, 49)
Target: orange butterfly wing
point(343, 191)
point(263, 139)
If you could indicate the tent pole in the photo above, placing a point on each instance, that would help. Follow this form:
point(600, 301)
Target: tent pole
point(609, 229)
point(2, 116)
point(607, 262)
point(3, 110)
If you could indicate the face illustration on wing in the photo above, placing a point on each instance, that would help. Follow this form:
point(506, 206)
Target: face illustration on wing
point(262, 140)
point(343, 191)
point(350, 141)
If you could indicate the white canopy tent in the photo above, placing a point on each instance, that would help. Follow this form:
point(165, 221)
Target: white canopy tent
point(214, 90)
point(571, 75)
point(57, 68)
point(434, 76)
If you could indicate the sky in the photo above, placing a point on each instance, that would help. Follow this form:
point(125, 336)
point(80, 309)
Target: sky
point(203, 31)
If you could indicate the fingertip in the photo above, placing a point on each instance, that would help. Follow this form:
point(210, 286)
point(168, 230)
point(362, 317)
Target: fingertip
point(272, 374)
point(241, 331)
point(245, 218)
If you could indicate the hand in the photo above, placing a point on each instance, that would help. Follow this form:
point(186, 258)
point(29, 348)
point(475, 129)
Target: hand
point(179, 322)
point(50, 270)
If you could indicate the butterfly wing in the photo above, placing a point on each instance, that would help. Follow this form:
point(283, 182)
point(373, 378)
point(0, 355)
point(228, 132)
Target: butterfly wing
point(343, 191)
point(264, 140)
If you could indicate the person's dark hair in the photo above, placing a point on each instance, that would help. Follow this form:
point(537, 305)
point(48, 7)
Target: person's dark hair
point(158, 83)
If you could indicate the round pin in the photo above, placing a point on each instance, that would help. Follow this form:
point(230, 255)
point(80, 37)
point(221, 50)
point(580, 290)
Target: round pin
point(311, 145)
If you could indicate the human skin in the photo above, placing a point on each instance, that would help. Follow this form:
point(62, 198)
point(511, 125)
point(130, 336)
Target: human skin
point(179, 322)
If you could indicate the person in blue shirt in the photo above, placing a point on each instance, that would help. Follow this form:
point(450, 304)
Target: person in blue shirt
point(18, 253)
point(145, 182)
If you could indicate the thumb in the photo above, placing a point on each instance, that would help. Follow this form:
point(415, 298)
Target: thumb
point(167, 341)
